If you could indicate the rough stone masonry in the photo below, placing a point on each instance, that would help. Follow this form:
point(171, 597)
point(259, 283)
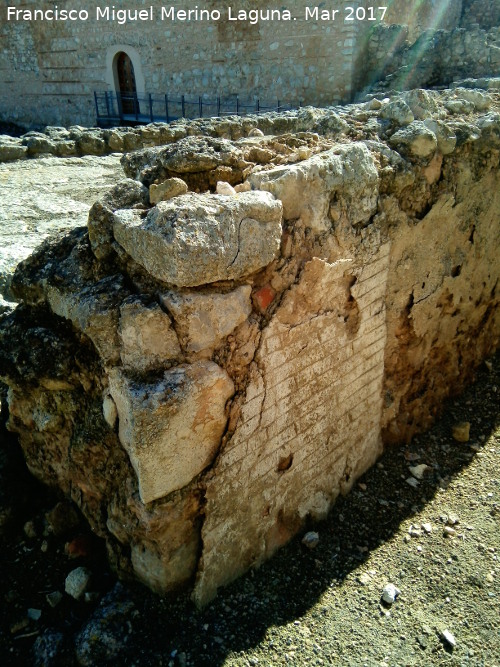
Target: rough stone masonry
point(245, 323)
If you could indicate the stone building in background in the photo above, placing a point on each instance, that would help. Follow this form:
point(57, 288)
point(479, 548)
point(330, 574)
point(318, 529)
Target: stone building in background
point(50, 70)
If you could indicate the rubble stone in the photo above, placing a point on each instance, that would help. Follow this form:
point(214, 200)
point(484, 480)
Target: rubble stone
point(199, 239)
point(171, 427)
point(204, 319)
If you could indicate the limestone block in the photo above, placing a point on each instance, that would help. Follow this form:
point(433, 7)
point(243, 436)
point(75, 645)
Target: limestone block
point(126, 193)
point(445, 135)
point(93, 310)
point(11, 149)
point(243, 187)
point(224, 188)
point(199, 239)
point(66, 148)
point(148, 339)
point(398, 112)
point(171, 427)
point(416, 139)
point(92, 143)
point(421, 103)
point(480, 101)
point(203, 320)
point(38, 143)
point(170, 188)
point(116, 140)
point(306, 188)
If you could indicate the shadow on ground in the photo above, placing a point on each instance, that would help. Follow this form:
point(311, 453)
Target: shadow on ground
point(172, 632)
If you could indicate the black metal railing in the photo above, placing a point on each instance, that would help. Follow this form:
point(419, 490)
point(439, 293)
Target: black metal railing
point(116, 108)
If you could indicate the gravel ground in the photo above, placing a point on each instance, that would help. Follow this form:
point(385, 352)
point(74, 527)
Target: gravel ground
point(437, 541)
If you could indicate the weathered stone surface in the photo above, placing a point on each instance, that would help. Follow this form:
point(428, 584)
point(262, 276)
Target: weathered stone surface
point(94, 311)
point(199, 239)
point(224, 188)
point(11, 149)
point(416, 139)
point(421, 102)
point(92, 143)
point(170, 188)
point(126, 194)
point(445, 136)
point(40, 197)
point(171, 427)
point(398, 112)
point(339, 326)
point(346, 174)
point(37, 143)
point(188, 156)
point(479, 100)
point(204, 319)
point(148, 340)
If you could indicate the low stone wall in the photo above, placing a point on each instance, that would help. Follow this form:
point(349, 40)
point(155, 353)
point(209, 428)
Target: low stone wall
point(76, 141)
point(244, 324)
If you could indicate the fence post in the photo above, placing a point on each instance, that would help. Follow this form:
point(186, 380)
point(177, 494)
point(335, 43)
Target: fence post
point(183, 107)
point(218, 105)
point(119, 105)
point(258, 105)
point(200, 106)
point(278, 105)
point(151, 107)
point(237, 105)
point(166, 106)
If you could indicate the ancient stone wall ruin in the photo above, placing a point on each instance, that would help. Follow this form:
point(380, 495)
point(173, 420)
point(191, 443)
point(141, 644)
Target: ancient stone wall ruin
point(436, 58)
point(246, 322)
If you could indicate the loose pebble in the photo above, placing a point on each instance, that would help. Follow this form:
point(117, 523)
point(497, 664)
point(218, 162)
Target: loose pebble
point(311, 540)
point(449, 638)
point(390, 593)
point(412, 482)
point(77, 582)
point(419, 471)
point(461, 432)
point(54, 598)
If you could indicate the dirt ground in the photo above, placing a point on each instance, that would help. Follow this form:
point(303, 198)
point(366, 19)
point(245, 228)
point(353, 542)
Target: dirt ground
point(42, 196)
point(437, 541)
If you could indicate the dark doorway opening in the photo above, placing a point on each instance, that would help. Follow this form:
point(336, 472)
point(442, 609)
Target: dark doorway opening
point(126, 82)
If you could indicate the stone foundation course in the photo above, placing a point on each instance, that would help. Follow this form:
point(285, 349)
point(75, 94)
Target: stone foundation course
point(246, 322)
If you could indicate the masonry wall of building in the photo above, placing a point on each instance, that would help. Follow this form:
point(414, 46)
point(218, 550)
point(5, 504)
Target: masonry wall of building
point(50, 70)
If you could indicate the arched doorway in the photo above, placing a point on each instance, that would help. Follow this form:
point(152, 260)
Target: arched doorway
point(125, 78)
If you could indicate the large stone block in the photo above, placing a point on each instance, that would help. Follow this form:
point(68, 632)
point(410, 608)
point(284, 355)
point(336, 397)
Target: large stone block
point(148, 339)
point(203, 320)
point(307, 188)
point(200, 239)
point(171, 427)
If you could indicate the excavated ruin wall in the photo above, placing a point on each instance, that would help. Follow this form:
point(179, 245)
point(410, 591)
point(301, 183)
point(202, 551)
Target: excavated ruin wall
point(436, 58)
point(204, 369)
